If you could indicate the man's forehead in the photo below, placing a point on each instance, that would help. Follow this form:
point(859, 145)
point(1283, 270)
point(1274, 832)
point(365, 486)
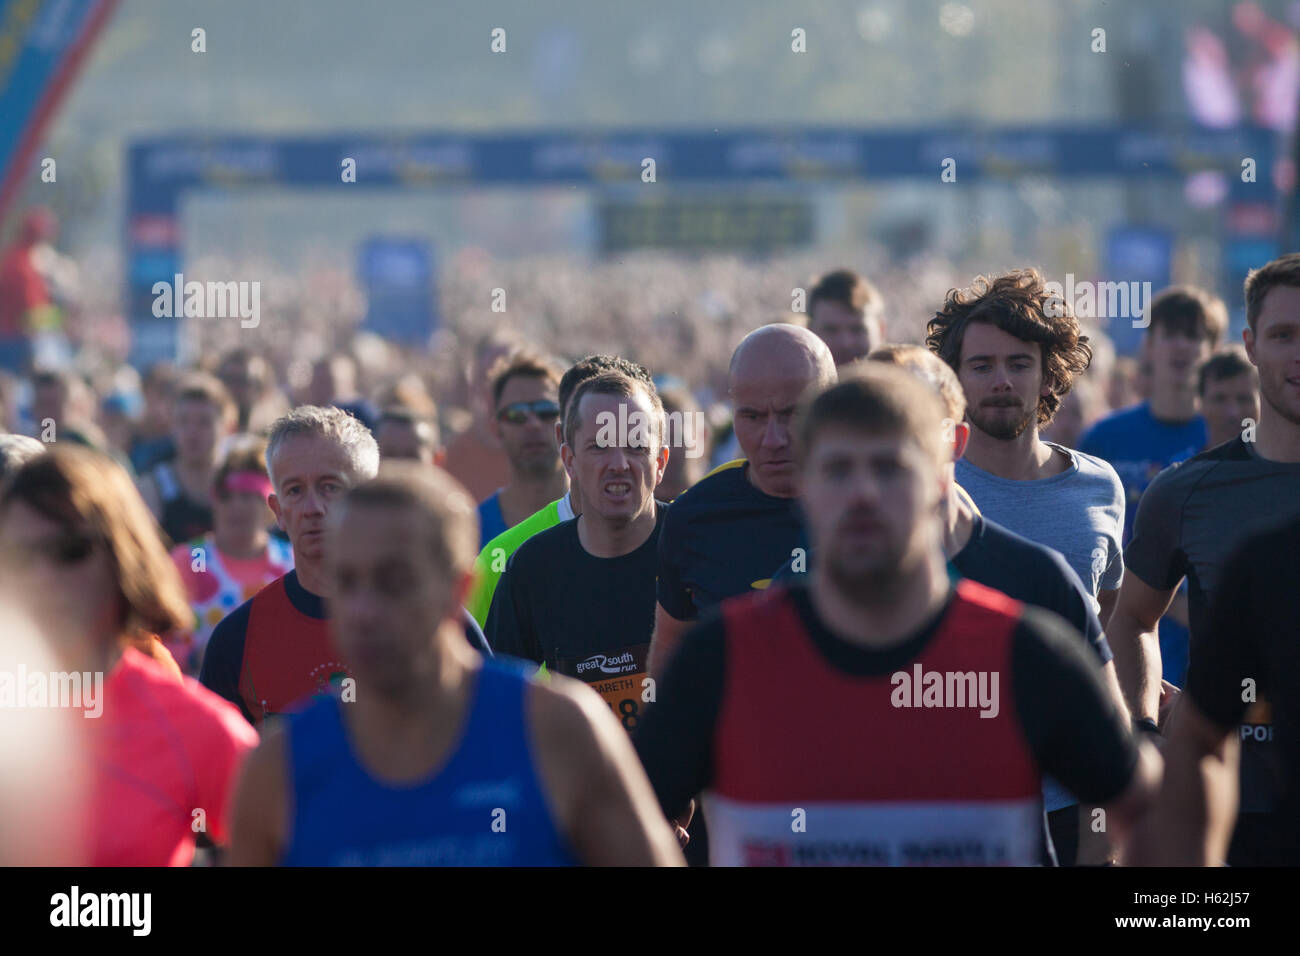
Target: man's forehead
point(778, 390)
point(593, 403)
point(300, 455)
point(985, 338)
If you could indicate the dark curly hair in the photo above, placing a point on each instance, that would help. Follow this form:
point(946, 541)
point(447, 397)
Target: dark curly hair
point(1019, 304)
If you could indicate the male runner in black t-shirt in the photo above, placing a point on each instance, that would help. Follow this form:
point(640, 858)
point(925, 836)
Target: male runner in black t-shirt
point(1195, 514)
point(968, 695)
point(726, 534)
point(1248, 651)
point(580, 597)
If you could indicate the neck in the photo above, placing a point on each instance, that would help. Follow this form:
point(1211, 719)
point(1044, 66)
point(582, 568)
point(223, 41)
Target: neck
point(1276, 438)
point(958, 523)
point(753, 480)
point(890, 615)
point(1021, 459)
point(311, 574)
point(240, 544)
point(605, 539)
point(1174, 404)
point(431, 701)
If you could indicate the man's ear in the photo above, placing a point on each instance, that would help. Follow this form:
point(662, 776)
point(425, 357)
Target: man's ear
point(273, 500)
point(440, 457)
point(559, 434)
point(567, 456)
point(1248, 339)
point(661, 464)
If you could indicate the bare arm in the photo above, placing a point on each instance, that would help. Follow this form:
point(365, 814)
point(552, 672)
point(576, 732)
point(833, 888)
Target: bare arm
point(1132, 636)
point(258, 824)
point(1197, 806)
point(1125, 813)
point(600, 793)
point(1095, 847)
point(1106, 601)
point(663, 644)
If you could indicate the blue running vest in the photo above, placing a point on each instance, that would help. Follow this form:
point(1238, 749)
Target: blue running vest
point(484, 808)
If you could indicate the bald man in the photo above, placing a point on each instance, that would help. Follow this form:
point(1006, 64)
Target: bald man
point(720, 537)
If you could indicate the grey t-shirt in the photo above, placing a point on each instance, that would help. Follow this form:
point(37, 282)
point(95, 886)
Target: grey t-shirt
point(1079, 513)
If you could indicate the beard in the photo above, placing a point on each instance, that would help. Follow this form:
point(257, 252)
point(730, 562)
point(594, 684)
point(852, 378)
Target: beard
point(996, 423)
point(867, 581)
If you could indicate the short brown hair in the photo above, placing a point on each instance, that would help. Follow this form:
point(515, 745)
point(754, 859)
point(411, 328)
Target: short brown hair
point(85, 490)
point(1188, 311)
point(590, 367)
point(202, 387)
point(526, 364)
point(1225, 363)
point(447, 511)
point(1284, 270)
point(931, 369)
point(845, 287)
point(876, 398)
point(1019, 304)
point(612, 383)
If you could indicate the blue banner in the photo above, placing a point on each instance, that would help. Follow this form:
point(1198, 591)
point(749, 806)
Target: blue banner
point(398, 277)
point(42, 43)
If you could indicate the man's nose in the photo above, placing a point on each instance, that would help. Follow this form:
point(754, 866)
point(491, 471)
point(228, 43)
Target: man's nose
point(776, 434)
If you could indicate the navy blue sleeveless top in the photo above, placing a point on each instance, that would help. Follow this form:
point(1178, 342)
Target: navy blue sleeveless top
point(485, 807)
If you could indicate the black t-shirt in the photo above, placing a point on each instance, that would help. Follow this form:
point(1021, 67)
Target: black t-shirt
point(1019, 568)
point(1060, 703)
point(582, 616)
point(722, 538)
point(1254, 635)
point(1191, 518)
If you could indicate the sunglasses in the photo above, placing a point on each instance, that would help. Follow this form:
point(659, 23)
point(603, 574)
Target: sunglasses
point(69, 548)
point(517, 413)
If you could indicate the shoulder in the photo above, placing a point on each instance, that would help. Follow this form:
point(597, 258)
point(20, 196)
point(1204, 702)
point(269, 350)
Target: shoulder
point(218, 717)
point(1028, 557)
point(567, 718)
point(510, 539)
point(1182, 476)
point(189, 706)
point(547, 544)
point(1115, 424)
point(720, 482)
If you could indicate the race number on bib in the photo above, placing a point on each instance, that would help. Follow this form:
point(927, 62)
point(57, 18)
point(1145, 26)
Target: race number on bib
point(616, 675)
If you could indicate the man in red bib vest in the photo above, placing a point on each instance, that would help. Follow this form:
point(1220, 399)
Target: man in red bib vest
point(881, 714)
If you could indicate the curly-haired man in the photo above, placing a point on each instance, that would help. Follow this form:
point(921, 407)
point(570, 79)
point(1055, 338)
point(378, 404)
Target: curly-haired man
point(1016, 350)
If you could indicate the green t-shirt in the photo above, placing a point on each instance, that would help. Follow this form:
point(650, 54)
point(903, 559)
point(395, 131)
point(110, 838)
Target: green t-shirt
point(491, 561)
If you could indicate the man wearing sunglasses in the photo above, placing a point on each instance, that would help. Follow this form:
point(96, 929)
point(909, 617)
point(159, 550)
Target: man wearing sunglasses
point(525, 392)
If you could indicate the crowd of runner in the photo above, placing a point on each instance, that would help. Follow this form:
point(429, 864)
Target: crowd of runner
point(848, 601)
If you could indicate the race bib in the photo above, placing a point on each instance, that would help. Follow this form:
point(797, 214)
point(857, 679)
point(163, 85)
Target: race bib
point(616, 676)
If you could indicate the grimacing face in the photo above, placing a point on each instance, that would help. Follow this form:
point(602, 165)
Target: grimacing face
point(618, 474)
